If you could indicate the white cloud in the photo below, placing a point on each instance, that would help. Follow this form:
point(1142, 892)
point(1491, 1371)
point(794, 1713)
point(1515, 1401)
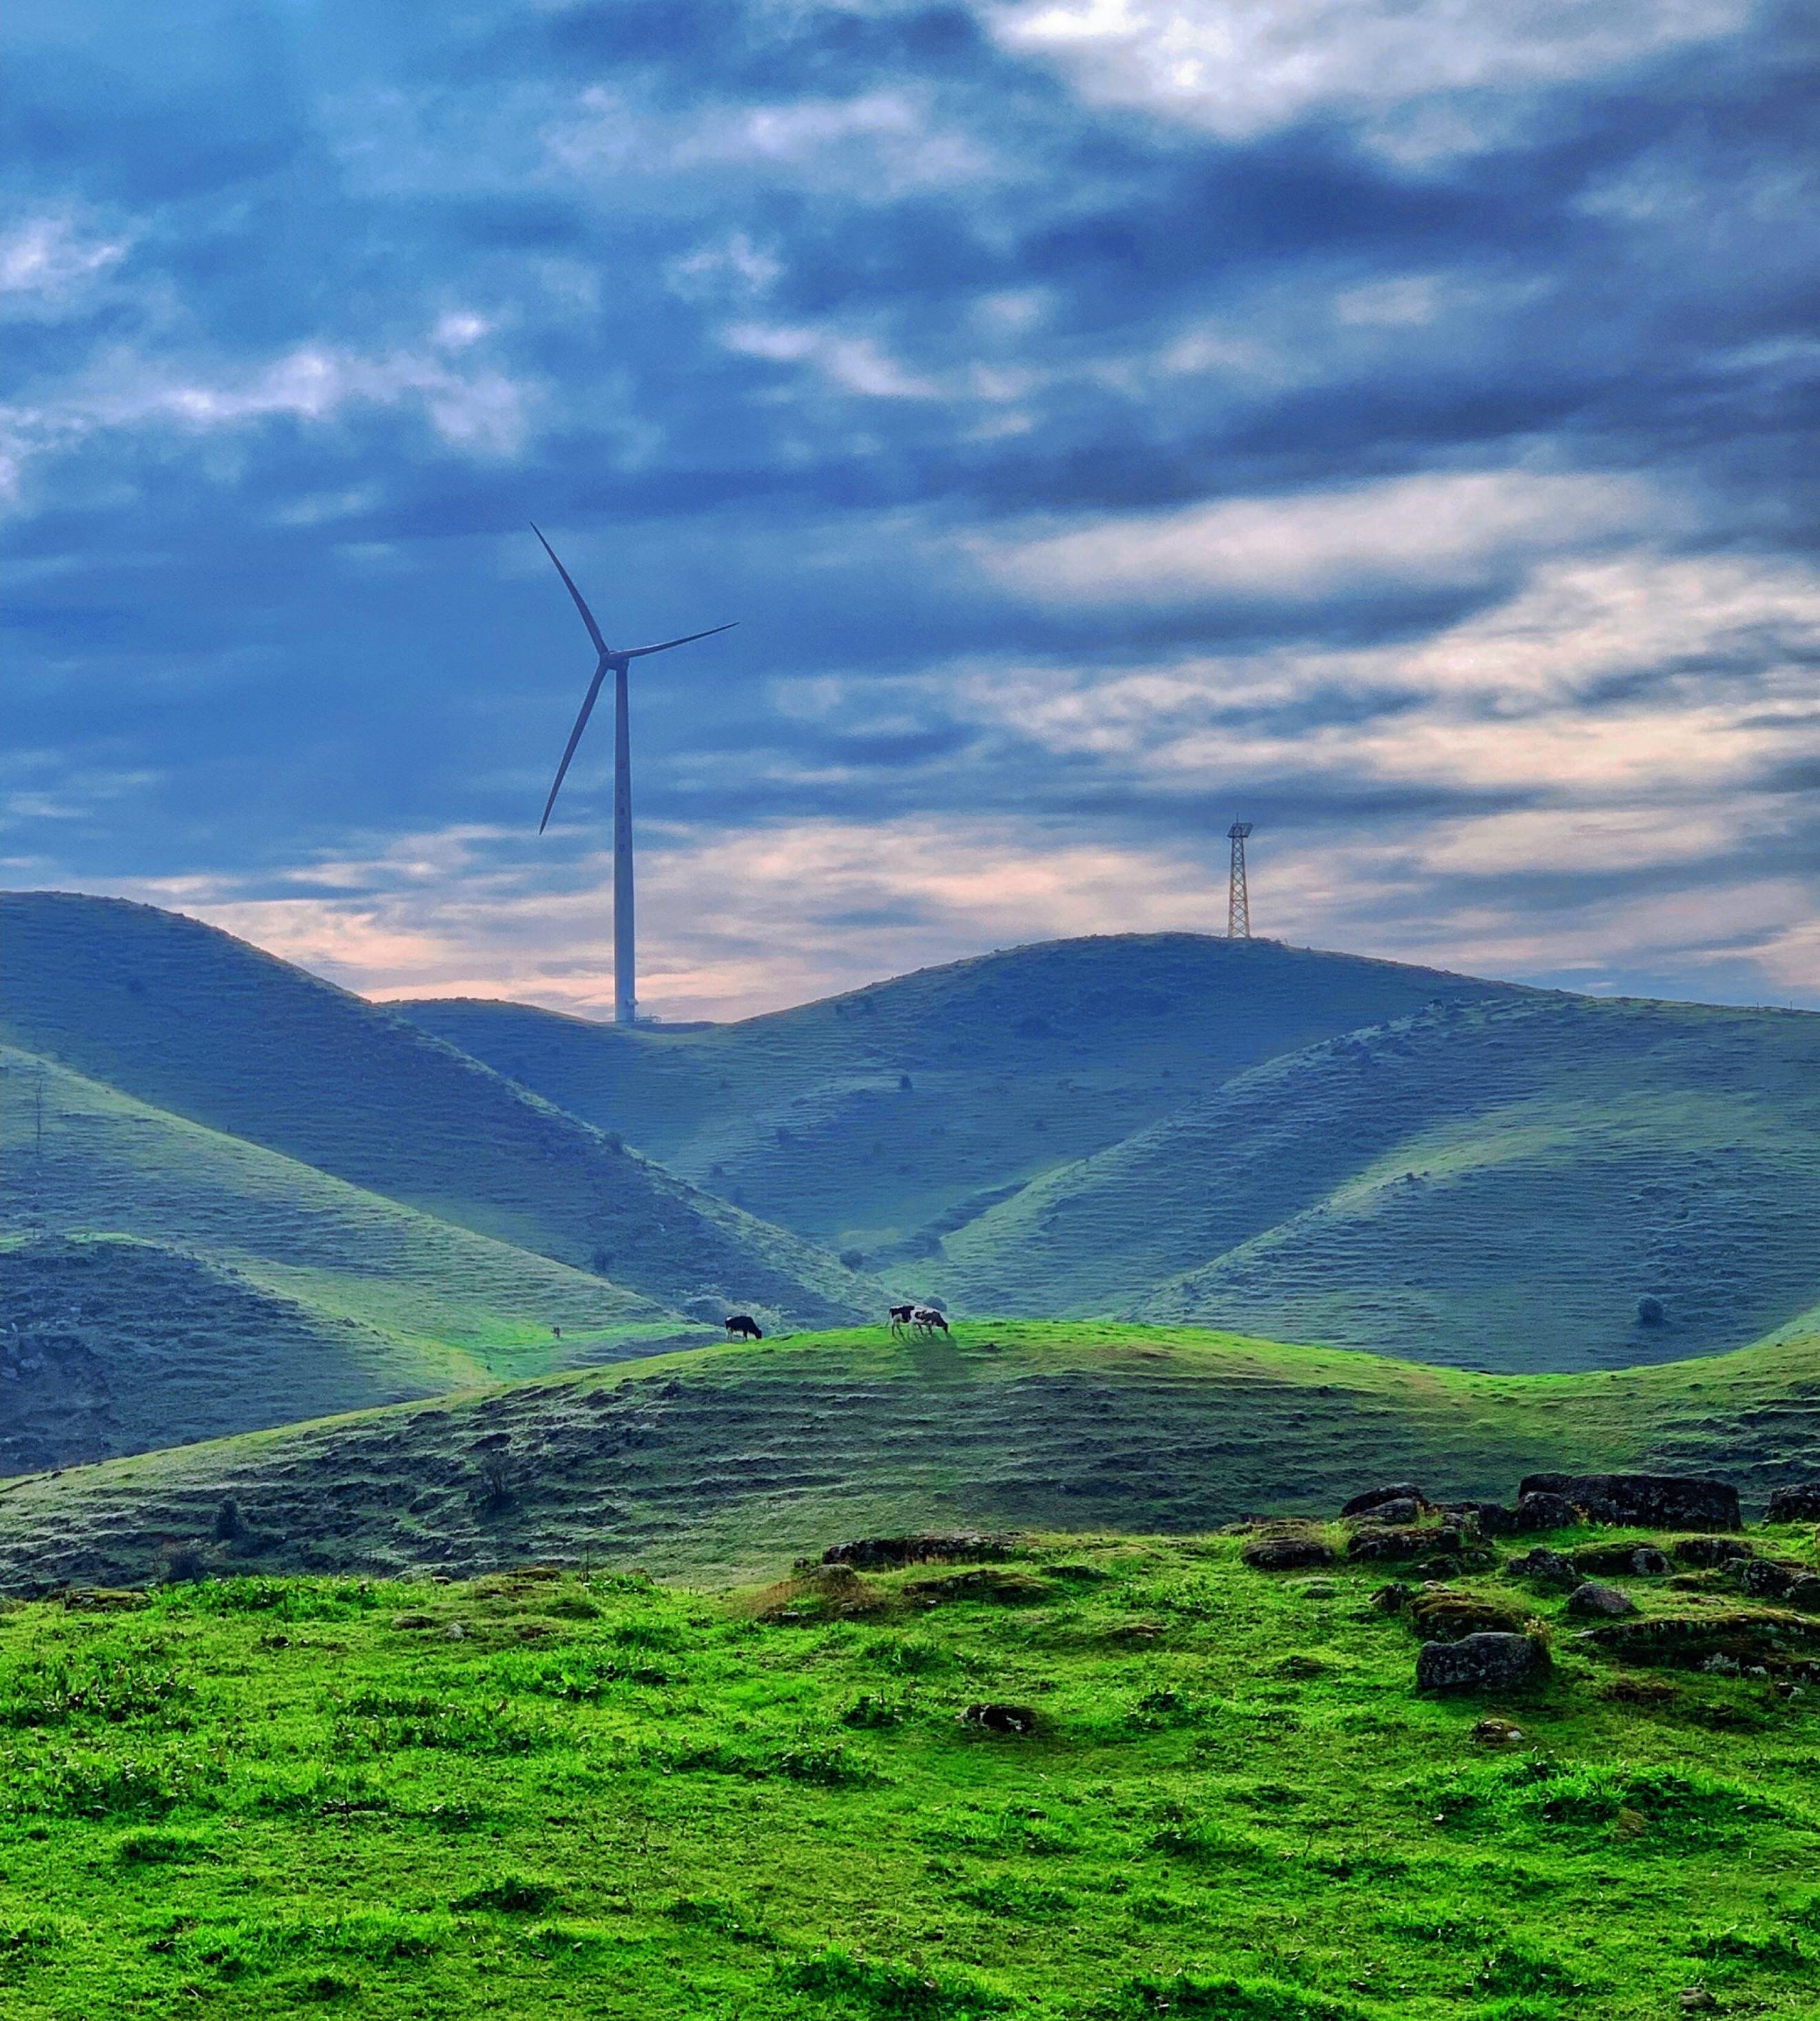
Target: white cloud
point(857, 364)
point(1424, 77)
point(1421, 531)
point(48, 265)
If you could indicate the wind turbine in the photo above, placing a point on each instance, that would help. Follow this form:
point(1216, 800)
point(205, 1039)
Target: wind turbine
point(624, 959)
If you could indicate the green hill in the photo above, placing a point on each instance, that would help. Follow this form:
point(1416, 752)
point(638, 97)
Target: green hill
point(1088, 1778)
point(878, 1121)
point(1497, 1185)
point(254, 1290)
point(197, 1023)
point(729, 1459)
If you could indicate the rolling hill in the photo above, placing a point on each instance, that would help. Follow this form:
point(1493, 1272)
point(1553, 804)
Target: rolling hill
point(725, 1461)
point(1495, 1185)
point(250, 1289)
point(879, 1120)
point(191, 1022)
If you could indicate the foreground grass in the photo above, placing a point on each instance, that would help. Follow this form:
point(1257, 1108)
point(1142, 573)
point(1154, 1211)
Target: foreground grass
point(547, 1795)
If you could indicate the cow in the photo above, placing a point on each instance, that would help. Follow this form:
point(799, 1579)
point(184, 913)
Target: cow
point(926, 1320)
point(742, 1326)
point(901, 1318)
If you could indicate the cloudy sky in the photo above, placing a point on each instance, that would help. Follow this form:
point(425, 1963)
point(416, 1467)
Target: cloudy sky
point(1390, 421)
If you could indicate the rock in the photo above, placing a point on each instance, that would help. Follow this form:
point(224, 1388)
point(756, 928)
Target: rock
point(1497, 1733)
point(1805, 1594)
point(455, 1632)
point(891, 1553)
point(1443, 1616)
point(1370, 1541)
point(1654, 1501)
point(1594, 1599)
point(1697, 2000)
point(1708, 1550)
point(1490, 1662)
point(1643, 1560)
point(1392, 1599)
point(1405, 1509)
point(1795, 1505)
point(1004, 1586)
point(1494, 1518)
point(1544, 1567)
point(1540, 1511)
point(1374, 1498)
point(413, 1621)
point(1012, 1719)
point(1765, 1579)
point(1287, 1551)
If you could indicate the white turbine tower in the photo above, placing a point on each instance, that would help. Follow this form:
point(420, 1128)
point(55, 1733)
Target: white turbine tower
point(624, 956)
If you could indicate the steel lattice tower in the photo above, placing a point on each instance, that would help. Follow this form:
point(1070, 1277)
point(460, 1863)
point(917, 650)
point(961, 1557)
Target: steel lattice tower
point(1238, 899)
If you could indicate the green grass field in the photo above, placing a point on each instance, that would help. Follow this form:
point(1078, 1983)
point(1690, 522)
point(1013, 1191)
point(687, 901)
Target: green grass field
point(543, 1795)
point(722, 1462)
point(190, 1022)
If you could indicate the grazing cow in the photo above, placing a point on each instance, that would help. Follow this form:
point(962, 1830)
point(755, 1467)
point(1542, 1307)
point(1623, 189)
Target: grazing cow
point(926, 1320)
point(901, 1318)
point(742, 1326)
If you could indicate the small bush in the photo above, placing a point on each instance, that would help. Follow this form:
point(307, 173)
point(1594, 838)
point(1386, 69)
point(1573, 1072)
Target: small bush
point(228, 1523)
point(1650, 1311)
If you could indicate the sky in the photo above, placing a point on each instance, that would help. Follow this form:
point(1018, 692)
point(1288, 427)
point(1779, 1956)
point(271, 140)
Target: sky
point(1389, 421)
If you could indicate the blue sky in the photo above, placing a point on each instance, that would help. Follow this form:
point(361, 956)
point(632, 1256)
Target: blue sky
point(1391, 420)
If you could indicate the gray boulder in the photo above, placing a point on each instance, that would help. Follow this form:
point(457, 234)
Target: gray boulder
point(1795, 1505)
point(1374, 1498)
point(1487, 1662)
point(1593, 1598)
point(1542, 1566)
point(1537, 1509)
point(1670, 1501)
point(1708, 1551)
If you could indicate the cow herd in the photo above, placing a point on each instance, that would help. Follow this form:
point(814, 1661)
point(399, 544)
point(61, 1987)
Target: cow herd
point(922, 1320)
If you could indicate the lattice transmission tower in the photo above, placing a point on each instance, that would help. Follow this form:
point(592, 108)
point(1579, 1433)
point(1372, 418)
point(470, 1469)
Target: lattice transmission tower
point(1238, 899)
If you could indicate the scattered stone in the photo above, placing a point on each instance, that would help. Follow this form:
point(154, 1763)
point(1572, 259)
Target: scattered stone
point(892, 1553)
point(1593, 1598)
point(1697, 2000)
point(1316, 1588)
point(1651, 1501)
point(1374, 1498)
point(1795, 1505)
point(455, 1631)
point(1370, 1541)
point(413, 1621)
point(1392, 1599)
point(1287, 1551)
point(1540, 1511)
point(1494, 1518)
point(1709, 1550)
point(1405, 1508)
point(1805, 1594)
point(1497, 1733)
point(1489, 1663)
point(1444, 1616)
point(1544, 1567)
point(1008, 1719)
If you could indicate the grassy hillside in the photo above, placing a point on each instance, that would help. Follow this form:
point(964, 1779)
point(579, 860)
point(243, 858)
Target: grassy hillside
point(876, 1120)
point(727, 1459)
point(552, 1797)
point(1495, 1185)
point(109, 1346)
point(193, 1022)
point(256, 1291)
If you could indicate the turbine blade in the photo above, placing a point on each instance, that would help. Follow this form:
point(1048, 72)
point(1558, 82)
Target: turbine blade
point(586, 615)
point(638, 652)
point(574, 735)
